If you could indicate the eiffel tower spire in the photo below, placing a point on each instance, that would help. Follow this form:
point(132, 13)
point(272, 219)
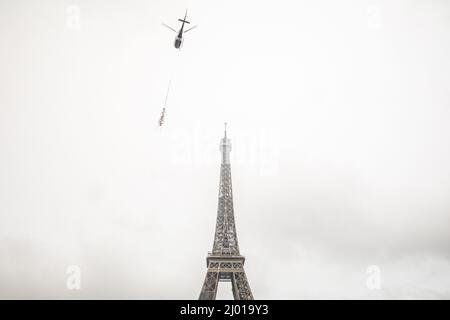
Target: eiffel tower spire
point(225, 262)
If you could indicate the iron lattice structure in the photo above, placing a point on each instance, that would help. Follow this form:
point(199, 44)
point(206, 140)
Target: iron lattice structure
point(225, 263)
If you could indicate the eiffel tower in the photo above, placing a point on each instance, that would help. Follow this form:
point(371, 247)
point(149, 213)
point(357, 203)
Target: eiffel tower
point(225, 263)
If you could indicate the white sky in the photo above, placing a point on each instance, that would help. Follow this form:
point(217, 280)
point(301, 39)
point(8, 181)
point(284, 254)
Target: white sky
point(338, 114)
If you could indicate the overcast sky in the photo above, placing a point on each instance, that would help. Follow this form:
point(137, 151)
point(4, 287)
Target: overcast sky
point(338, 115)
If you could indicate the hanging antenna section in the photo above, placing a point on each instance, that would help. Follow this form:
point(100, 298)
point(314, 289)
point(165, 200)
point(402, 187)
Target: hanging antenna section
point(161, 118)
point(163, 113)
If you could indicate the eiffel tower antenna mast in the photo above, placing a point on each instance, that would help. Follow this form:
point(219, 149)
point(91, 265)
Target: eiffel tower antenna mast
point(225, 263)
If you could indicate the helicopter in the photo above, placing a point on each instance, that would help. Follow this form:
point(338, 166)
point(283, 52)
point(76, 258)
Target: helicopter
point(179, 38)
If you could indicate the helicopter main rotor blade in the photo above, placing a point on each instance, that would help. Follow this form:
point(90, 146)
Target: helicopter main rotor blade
point(190, 29)
point(165, 25)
